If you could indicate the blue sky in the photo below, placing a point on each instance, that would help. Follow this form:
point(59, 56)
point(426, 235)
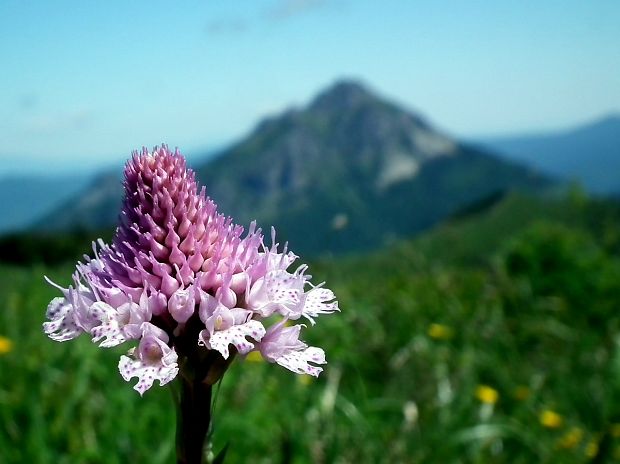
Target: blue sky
point(84, 83)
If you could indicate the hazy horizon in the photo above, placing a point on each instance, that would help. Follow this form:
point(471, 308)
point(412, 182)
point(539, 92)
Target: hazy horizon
point(86, 88)
point(33, 167)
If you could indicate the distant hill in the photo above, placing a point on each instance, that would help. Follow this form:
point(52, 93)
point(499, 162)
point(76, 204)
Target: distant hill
point(25, 198)
point(589, 153)
point(95, 207)
point(475, 239)
point(350, 171)
point(472, 238)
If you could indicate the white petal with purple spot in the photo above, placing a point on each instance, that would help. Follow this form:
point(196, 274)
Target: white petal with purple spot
point(299, 361)
point(316, 301)
point(146, 373)
point(62, 325)
point(234, 335)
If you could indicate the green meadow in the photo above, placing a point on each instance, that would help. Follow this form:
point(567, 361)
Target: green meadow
point(494, 338)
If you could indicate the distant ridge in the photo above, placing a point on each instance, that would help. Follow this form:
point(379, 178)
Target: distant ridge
point(349, 171)
point(589, 153)
point(94, 208)
point(24, 198)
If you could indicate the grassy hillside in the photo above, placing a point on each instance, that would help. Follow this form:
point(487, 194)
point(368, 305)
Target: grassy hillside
point(472, 238)
point(493, 338)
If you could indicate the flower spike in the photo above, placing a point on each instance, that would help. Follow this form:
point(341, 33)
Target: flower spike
point(183, 283)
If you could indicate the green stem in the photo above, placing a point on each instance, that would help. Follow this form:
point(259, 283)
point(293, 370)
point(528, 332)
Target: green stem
point(193, 420)
point(199, 370)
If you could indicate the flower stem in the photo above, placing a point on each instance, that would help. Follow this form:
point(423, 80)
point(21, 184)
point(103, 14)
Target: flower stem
point(193, 420)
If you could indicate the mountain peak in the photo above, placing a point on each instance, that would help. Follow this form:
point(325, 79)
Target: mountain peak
point(345, 93)
point(355, 169)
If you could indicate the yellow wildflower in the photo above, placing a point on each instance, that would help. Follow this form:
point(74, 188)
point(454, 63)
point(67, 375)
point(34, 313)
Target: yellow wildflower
point(486, 394)
point(615, 430)
point(6, 345)
point(550, 419)
point(591, 449)
point(571, 439)
point(440, 332)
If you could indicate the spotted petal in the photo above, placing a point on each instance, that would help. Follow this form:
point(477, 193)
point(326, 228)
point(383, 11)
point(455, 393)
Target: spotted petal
point(62, 325)
point(146, 373)
point(234, 335)
point(117, 324)
point(316, 301)
point(277, 291)
point(153, 360)
point(299, 361)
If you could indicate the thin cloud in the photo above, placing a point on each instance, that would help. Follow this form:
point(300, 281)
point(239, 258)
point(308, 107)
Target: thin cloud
point(285, 9)
point(279, 10)
point(58, 123)
point(226, 26)
point(28, 101)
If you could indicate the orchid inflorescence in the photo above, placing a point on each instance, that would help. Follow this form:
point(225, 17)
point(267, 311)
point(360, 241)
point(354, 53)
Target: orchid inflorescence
point(184, 283)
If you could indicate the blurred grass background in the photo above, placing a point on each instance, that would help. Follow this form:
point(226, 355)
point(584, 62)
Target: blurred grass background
point(493, 338)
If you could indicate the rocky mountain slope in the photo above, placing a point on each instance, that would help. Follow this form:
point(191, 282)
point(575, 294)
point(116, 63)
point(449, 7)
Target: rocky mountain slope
point(350, 171)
